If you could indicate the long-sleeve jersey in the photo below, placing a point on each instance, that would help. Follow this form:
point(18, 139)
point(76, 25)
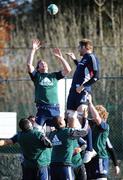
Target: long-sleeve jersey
point(109, 147)
point(87, 71)
point(111, 152)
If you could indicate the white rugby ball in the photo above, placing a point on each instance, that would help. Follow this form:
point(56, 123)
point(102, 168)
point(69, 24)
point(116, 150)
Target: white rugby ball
point(52, 9)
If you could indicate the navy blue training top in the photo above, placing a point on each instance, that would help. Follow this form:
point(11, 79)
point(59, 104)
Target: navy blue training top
point(87, 71)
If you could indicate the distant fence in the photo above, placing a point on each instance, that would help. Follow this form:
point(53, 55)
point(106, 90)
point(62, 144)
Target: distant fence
point(18, 96)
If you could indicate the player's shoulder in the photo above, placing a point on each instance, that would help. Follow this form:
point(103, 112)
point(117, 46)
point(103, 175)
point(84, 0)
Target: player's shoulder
point(68, 130)
point(93, 57)
point(65, 130)
point(36, 133)
point(104, 125)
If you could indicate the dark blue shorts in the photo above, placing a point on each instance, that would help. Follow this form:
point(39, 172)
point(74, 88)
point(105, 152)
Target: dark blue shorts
point(60, 172)
point(80, 173)
point(75, 99)
point(35, 173)
point(45, 113)
point(97, 168)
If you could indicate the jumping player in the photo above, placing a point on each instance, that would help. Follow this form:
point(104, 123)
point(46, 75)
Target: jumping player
point(86, 73)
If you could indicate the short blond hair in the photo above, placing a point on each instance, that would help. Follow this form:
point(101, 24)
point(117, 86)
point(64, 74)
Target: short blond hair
point(102, 111)
point(87, 43)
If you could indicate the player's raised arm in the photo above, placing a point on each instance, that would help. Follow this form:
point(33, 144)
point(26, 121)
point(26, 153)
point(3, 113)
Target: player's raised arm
point(66, 66)
point(93, 111)
point(73, 57)
point(36, 44)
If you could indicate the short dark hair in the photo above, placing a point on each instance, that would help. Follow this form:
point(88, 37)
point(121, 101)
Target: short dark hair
point(30, 117)
point(57, 122)
point(24, 124)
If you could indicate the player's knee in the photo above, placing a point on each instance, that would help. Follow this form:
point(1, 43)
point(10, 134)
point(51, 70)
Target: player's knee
point(71, 118)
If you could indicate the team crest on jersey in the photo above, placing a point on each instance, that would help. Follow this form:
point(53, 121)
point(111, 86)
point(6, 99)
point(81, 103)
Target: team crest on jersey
point(46, 82)
point(56, 141)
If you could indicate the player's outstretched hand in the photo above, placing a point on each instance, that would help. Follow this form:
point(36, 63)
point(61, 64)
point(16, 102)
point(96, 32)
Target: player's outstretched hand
point(36, 44)
point(71, 55)
point(57, 53)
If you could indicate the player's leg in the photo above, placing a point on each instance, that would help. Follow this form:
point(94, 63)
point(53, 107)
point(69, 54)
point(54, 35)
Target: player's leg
point(82, 106)
point(82, 112)
point(103, 164)
point(52, 111)
point(90, 152)
point(72, 119)
point(71, 110)
point(80, 173)
point(102, 168)
point(44, 116)
point(61, 172)
point(42, 173)
point(66, 173)
point(28, 173)
point(40, 118)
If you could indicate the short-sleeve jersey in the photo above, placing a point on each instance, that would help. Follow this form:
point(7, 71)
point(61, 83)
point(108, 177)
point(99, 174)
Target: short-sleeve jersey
point(100, 135)
point(62, 150)
point(46, 86)
point(33, 151)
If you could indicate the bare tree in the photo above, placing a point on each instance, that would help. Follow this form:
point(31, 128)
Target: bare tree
point(100, 4)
